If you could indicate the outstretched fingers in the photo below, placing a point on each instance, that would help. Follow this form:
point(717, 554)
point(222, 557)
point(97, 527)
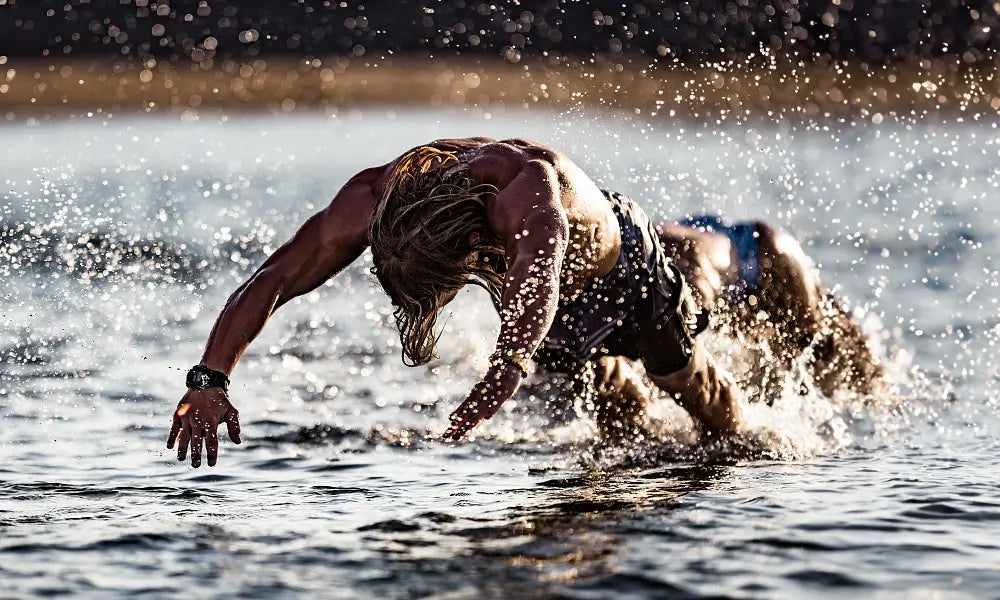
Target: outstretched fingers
point(195, 426)
point(178, 424)
point(459, 427)
point(183, 440)
point(468, 416)
point(197, 435)
point(175, 429)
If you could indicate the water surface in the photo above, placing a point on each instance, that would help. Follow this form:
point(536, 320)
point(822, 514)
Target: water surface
point(121, 239)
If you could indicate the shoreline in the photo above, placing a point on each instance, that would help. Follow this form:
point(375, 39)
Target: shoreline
point(819, 90)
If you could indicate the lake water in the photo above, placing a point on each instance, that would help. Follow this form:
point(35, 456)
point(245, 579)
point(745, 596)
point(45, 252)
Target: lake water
point(121, 239)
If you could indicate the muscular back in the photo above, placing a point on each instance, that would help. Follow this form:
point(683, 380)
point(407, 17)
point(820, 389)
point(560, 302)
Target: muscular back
point(594, 235)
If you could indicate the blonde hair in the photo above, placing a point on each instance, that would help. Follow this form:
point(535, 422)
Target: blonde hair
point(428, 235)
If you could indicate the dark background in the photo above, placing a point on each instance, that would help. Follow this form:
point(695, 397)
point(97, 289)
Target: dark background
point(699, 30)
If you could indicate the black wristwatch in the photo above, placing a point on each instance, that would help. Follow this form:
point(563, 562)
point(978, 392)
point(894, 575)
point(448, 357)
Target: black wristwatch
point(200, 377)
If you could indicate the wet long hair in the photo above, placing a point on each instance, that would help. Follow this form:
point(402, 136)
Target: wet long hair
point(428, 235)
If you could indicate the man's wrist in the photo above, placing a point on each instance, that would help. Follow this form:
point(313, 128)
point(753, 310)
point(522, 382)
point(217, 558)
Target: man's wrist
point(499, 370)
point(510, 356)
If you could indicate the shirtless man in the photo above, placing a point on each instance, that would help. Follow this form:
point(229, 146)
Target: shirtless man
point(576, 274)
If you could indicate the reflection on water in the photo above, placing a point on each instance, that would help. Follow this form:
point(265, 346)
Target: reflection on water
point(120, 242)
point(568, 532)
point(572, 533)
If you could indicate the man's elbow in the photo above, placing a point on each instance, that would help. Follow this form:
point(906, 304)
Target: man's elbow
point(268, 284)
point(552, 232)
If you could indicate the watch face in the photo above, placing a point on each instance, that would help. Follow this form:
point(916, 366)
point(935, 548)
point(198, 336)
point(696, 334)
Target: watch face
point(197, 380)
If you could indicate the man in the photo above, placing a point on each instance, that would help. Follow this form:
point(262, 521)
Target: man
point(571, 268)
point(577, 275)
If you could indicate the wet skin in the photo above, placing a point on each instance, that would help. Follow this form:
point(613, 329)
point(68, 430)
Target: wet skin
point(559, 233)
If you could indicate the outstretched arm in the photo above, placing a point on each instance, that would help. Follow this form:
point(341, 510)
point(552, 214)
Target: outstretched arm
point(533, 224)
point(325, 245)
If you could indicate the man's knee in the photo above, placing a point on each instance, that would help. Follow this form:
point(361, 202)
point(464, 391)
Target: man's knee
point(611, 374)
point(605, 364)
point(619, 407)
point(786, 272)
point(778, 245)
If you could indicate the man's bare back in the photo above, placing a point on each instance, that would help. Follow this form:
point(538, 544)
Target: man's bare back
point(594, 238)
point(559, 235)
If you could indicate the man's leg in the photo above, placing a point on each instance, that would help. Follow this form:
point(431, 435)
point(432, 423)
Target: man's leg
point(778, 316)
point(804, 315)
point(788, 291)
point(705, 392)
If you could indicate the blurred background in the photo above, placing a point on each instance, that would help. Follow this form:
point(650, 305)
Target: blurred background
point(870, 58)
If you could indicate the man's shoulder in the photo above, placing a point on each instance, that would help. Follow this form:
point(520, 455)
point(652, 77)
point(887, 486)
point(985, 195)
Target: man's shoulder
point(500, 162)
point(348, 214)
point(363, 187)
point(366, 177)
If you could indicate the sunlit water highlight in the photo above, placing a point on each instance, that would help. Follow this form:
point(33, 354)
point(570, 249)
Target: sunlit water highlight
point(121, 240)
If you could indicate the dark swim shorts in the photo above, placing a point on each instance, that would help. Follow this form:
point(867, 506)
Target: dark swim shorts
point(636, 310)
point(743, 237)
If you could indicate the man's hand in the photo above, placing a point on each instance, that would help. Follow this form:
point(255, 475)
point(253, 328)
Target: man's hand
point(485, 399)
point(197, 419)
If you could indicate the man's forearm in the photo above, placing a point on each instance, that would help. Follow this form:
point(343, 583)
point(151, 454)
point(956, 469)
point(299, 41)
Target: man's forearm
point(241, 321)
point(530, 298)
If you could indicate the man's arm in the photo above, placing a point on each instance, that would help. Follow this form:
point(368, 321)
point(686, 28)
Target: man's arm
point(324, 246)
point(533, 223)
point(536, 232)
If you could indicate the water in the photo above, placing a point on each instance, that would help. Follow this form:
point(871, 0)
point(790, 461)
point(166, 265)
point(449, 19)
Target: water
point(123, 237)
